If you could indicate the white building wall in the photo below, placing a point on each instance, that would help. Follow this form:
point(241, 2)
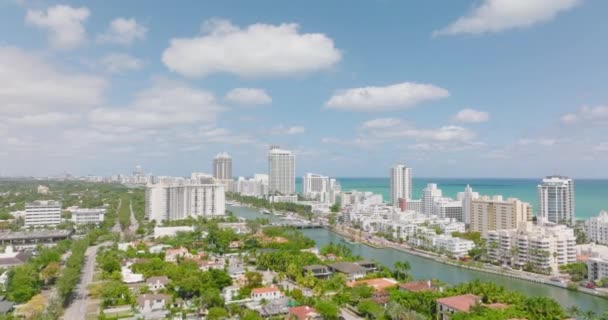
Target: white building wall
point(42, 213)
point(596, 228)
point(556, 199)
point(401, 183)
point(281, 171)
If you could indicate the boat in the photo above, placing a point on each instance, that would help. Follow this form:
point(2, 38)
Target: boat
point(266, 212)
point(349, 241)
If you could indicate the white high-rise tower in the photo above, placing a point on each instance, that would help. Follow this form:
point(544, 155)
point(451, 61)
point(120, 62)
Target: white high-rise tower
point(281, 171)
point(556, 199)
point(401, 183)
point(222, 166)
point(466, 197)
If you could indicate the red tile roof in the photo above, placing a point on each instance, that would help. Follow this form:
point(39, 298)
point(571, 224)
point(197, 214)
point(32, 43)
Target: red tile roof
point(378, 284)
point(460, 303)
point(264, 290)
point(417, 286)
point(302, 312)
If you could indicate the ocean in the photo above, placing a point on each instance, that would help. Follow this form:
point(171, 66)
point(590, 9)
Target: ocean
point(591, 196)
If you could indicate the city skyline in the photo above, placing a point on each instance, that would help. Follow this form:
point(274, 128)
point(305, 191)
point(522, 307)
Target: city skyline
point(93, 88)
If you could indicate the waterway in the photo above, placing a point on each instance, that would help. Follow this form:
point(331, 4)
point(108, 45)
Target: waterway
point(422, 268)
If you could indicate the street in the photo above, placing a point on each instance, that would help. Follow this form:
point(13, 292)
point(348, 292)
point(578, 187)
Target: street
point(78, 307)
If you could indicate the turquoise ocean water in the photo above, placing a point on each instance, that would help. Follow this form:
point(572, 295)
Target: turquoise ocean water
point(591, 196)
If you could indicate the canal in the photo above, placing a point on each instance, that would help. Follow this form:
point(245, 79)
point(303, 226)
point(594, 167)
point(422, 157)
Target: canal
point(428, 269)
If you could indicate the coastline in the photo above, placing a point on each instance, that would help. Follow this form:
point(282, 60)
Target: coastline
point(531, 277)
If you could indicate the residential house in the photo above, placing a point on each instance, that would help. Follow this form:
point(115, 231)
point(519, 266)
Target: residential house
point(172, 255)
point(268, 293)
point(446, 307)
point(147, 303)
point(303, 313)
point(157, 283)
point(352, 271)
point(417, 286)
point(378, 284)
point(318, 271)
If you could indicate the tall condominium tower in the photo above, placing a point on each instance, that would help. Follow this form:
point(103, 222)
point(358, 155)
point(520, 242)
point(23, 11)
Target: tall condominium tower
point(556, 199)
point(401, 183)
point(281, 171)
point(429, 195)
point(222, 166)
point(466, 197)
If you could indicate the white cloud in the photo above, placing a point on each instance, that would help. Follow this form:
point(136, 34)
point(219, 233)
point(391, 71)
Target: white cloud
point(392, 97)
point(121, 62)
point(32, 85)
point(167, 103)
point(286, 130)
point(123, 31)
point(546, 142)
point(248, 96)
point(42, 119)
point(471, 116)
point(64, 24)
point(499, 15)
point(389, 128)
point(598, 114)
point(601, 147)
point(257, 50)
point(381, 123)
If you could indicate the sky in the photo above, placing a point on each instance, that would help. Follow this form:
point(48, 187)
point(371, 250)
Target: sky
point(459, 88)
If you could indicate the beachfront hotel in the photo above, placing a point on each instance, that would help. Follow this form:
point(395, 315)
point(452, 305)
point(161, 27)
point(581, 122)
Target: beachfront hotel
point(281, 171)
point(401, 183)
point(556, 199)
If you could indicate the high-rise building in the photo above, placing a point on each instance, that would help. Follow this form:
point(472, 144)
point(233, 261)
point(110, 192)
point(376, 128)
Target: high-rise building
point(556, 200)
point(466, 197)
point(181, 200)
point(494, 213)
point(430, 194)
point(254, 187)
point(448, 208)
point(137, 171)
point(42, 213)
point(318, 187)
point(222, 166)
point(401, 183)
point(281, 171)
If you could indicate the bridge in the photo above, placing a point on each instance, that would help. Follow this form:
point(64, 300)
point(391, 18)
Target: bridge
point(297, 224)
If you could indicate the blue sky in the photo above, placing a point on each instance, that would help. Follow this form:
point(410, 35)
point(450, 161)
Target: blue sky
point(475, 88)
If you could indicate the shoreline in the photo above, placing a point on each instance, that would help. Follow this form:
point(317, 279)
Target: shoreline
point(432, 256)
point(535, 278)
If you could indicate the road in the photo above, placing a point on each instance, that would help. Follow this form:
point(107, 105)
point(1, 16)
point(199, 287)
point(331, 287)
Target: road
point(134, 224)
point(116, 227)
point(78, 307)
point(349, 315)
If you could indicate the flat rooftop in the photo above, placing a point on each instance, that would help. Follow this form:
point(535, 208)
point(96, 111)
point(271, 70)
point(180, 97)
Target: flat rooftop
point(20, 235)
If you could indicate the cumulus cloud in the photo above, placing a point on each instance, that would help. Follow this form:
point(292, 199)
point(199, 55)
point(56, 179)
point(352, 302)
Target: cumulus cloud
point(33, 85)
point(286, 130)
point(166, 103)
point(123, 31)
point(381, 123)
point(546, 142)
point(64, 25)
point(499, 15)
point(248, 96)
point(598, 114)
point(257, 50)
point(471, 116)
point(42, 119)
point(393, 97)
point(121, 62)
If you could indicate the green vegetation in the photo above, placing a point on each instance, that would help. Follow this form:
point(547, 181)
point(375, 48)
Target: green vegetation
point(577, 270)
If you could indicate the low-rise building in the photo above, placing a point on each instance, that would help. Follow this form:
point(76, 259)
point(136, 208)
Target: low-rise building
point(318, 271)
point(172, 255)
point(42, 213)
point(446, 307)
point(157, 283)
point(455, 247)
point(10, 258)
point(378, 284)
point(268, 293)
point(148, 303)
point(82, 216)
point(160, 232)
point(304, 313)
point(417, 286)
point(352, 271)
point(230, 293)
point(543, 247)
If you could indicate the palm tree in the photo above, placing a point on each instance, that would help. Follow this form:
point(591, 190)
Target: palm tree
point(401, 270)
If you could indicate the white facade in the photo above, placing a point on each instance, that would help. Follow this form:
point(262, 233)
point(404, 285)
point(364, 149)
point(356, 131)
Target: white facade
point(596, 228)
point(315, 187)
point(556, 199)
point(448, 208)
point(545, 246)
point(176, 201)
point(429, 195)
point(160, 232)
point(42, 213)
point(401, 183)
point(222, 166)
point(494, 213)
point(289, 199)
point(88, 216)
point(455, 247)
point(281, 171)
point(466, 198)
point(253, 187)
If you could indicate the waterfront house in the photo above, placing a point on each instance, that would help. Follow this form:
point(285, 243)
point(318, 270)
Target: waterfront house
point(318, 271)
point(417, 286)
point(352, 271)
point(378, 284)
point(446, 307)
point(371, 266)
